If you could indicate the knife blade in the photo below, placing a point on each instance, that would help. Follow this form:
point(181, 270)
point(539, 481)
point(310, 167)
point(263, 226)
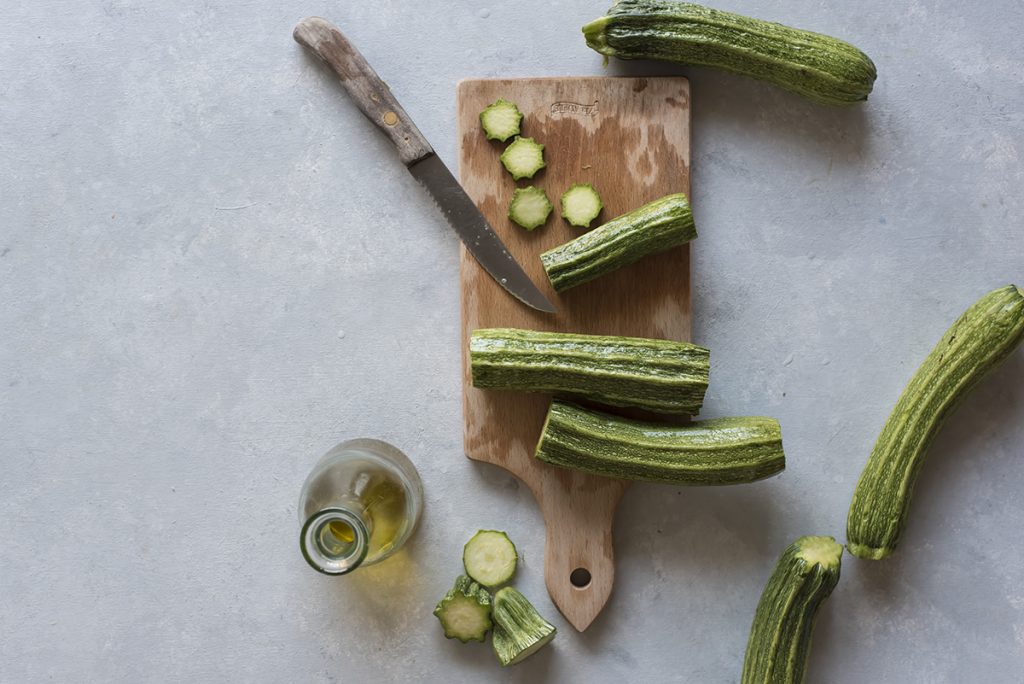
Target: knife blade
point(375, 101)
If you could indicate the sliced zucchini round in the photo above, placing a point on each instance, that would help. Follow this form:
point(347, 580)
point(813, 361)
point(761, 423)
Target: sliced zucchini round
point(501, 120)
point(530, 207)
point(490, 558)
point(581, 204)
point(465, 611)
point(523, 158)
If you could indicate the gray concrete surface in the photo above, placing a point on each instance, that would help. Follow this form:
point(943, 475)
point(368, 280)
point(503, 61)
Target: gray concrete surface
point(212, 269)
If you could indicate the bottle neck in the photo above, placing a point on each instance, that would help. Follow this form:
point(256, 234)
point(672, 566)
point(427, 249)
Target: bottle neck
point(334, 541)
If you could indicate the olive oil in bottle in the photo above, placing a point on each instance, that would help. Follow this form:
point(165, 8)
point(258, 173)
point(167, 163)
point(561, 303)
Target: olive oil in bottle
point(360, 503)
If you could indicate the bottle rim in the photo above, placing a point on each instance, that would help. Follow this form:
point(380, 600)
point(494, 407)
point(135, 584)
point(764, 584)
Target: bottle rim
point(321, 559)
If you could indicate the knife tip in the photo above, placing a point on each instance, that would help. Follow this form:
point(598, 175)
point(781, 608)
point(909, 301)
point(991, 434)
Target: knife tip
point(544, 306)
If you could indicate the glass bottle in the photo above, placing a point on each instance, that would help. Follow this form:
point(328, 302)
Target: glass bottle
point(359, 504)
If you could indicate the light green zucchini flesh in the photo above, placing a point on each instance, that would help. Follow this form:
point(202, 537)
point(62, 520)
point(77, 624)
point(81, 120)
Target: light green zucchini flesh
point(519, 631)
point(501, 120)
point(523, 158)
point(655, 227)
point(530, 207)
point(780, 637)
point(581, 204)
point(465, 611)
point(722, 451)
point(819, 67)
point(981, 338)
point(490, 558)
point(657, 375)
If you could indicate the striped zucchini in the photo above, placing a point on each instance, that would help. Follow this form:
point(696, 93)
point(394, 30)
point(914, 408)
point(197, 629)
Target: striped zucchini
point(982, 337)
point(819, 67)
point(654, 227)
point(722, 451)
point(780, 637)
point(657, 375)
point(519, 630)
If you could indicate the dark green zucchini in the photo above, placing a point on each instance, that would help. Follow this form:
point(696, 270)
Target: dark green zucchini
point(657, 375)
point(722, 451)
point(654, 227)
point(982, 337)
point(819, 67)
point(780, 637)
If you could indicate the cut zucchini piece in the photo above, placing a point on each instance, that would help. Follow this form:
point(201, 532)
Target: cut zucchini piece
point(654, 227)
point(780, 637)
point(657, 375)
point(722, 451)
point(523, 157)
point(977, 342)
point(501, 120)
point(581, 204)
point(519, 631)
point(490, 558)
point(529, 207)
point(465, 611)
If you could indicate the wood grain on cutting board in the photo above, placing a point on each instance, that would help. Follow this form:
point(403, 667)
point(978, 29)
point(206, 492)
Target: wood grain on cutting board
point(630, 138)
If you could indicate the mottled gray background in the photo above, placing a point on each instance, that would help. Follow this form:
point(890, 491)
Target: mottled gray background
point(212, 269)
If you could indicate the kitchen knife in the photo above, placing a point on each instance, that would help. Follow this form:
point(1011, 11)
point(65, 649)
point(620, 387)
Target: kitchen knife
point(374, 99)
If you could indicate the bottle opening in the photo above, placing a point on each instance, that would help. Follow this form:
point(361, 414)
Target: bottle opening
point(342, 531)
point(334, 541)
point(336, 538)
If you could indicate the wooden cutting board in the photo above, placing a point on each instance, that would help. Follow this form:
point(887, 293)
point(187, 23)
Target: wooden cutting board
point(630, 138)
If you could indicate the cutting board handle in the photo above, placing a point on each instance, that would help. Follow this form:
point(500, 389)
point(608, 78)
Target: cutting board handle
point(371, 94)
point(579, 560)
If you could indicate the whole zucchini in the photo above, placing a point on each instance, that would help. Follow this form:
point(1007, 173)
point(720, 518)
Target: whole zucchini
point(982, 337)
point(657, 375)
point(819, 67)
point(722, 451)
point(654, 227)
point(780, 637)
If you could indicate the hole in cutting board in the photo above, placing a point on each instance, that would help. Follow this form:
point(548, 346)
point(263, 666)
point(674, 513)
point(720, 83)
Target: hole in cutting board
point(580, 578)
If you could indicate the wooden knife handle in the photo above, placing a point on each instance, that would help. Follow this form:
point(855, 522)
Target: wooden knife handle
point(371, 94)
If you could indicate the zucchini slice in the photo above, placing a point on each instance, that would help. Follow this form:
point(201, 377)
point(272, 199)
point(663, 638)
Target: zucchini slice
point(723, 451)
point(465, 611)
point(523, 158)
point(657, 375)
point(519, 631)
point(821, 68)
point(490, 558)
point(654, 227)
point(530, 207)
point(581, 204)
point(780, 636)
point(982, 337)
point(501, 120)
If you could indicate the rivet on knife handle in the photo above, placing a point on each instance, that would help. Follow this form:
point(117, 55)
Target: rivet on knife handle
point(372, 95)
